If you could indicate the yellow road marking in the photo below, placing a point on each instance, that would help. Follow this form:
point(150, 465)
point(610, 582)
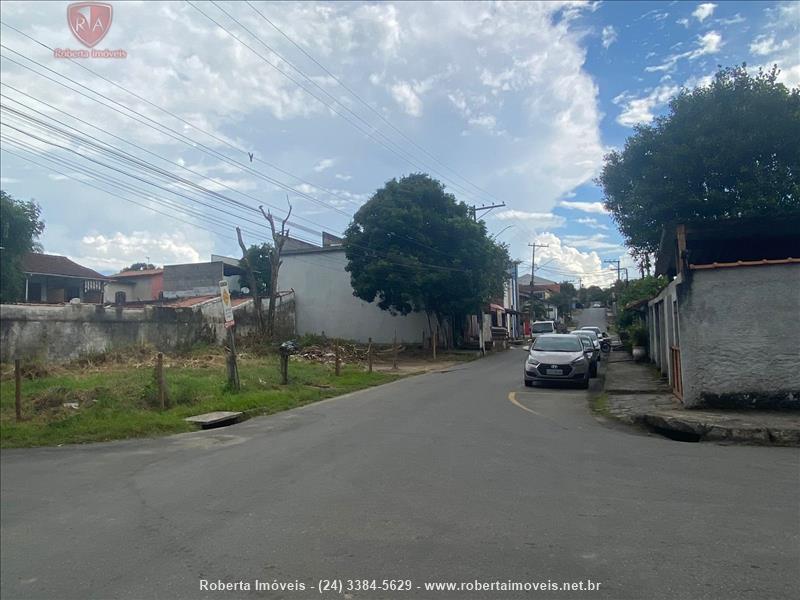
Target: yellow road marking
point(512, 396)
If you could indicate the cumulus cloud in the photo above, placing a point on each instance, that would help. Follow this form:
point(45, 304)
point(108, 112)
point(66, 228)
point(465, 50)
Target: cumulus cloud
point(609, 36)
point(405, 95)
point(764, 45)
point(640, 110)
point(534, 219)
point(703, 11)
point(115, 251)
point(562, 260)
point(589, 207)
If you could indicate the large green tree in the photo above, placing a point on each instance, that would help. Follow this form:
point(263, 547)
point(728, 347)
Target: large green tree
point(20, 228)
point(727, 149)
point(413, 247)
point(258, 258)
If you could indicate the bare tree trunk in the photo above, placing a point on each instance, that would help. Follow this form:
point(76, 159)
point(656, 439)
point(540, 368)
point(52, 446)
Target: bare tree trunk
point(278, 239)
point(253, 283)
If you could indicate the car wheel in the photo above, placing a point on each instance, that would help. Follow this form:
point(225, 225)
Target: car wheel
point(528, 383)
point(585, 384)
point(593, 370)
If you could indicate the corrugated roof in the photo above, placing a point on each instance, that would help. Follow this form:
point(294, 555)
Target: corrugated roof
point(52, 264)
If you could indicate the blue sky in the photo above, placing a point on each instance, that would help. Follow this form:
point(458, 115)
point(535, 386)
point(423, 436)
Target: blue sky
point(510, 102)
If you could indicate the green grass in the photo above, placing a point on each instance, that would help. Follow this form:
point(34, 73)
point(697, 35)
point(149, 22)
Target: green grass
point(600, 404)
point(119, 400)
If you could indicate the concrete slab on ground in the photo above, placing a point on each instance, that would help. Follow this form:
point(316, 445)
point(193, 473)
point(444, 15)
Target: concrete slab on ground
point(637, 395)
point(214, 418)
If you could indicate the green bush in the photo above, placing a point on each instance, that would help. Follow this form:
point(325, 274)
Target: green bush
point(638, 334)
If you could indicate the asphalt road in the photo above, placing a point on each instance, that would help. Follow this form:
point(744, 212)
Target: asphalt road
point(452, 477)
point(590, 317)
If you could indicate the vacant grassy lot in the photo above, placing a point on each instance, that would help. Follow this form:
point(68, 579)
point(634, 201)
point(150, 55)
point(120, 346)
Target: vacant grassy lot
point(116, 395)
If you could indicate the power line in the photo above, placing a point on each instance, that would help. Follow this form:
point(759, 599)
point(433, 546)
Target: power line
point(364, 102)
point(395, 149)
point(193, 144)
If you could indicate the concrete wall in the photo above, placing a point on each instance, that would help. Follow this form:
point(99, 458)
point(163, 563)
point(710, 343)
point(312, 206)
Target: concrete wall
point(196, 279)
point(137, 289)
point(325, 302)
point(739, 336)
point(60, 333)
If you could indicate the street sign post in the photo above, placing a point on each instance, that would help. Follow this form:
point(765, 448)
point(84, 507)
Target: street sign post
point(227, 313)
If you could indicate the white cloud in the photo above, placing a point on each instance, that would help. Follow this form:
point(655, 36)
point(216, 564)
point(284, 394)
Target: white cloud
point(592, 222)
point(325, 163)
point(533, 219)
point(9, 180)
point(640, 110)
point(609, 36)
point(708, 43)
point(343, 177)
point(764, 45)
point(593, 242)
point(589, 207)
point(562, 260)
point(684, 22)
point(404, 94)
point(118, 250)
point(703, 11)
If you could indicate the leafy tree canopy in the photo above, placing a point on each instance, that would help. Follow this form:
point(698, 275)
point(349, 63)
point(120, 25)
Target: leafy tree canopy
point(258, 257)
point(635, 290)
point(728, 149)
point(412, 247)
point(20, 227)
point(563, 299)
point(140, 266)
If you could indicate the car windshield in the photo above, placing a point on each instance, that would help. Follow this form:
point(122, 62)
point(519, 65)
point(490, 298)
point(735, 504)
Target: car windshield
point(590, 333)
point(564, 343)
point(542, 328)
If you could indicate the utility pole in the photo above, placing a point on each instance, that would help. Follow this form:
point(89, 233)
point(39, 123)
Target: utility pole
point(619, 278)
point(533, 246)
point(474, 211)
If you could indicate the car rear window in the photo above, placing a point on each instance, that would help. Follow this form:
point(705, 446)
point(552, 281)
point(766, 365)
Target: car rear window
point(542, 328)
point(566, 343)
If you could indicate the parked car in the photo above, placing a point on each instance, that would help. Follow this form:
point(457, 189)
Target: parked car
point(602, 337)
point(597, 305)
point(595, 339)
point(558, 357)
point(540, 327)
point(586, 337)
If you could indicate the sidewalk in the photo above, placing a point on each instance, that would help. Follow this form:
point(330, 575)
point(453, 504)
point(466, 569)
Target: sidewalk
point(636, 394)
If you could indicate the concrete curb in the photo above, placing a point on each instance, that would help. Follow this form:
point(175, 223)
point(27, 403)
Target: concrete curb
point(651, 410)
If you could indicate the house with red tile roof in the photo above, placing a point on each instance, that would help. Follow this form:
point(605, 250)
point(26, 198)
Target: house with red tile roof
point(135, 286)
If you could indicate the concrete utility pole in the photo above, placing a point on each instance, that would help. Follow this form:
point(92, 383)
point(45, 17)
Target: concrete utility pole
point(474, 211)
point(619, 278)
point(534, 246)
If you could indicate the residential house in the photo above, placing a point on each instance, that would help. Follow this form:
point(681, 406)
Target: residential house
point(543, 289)
point(726, 330)
point(53, 279)
point(201, 279)
point(135, 286)
point(324, 300)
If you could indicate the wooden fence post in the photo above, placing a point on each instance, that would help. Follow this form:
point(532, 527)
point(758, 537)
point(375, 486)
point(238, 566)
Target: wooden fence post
point(18, 389)
point(337, 368)
point(369, 355)
point(162, 396)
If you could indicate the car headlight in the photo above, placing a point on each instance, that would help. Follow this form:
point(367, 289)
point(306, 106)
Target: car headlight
point(532, 361)
point(577, 360)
